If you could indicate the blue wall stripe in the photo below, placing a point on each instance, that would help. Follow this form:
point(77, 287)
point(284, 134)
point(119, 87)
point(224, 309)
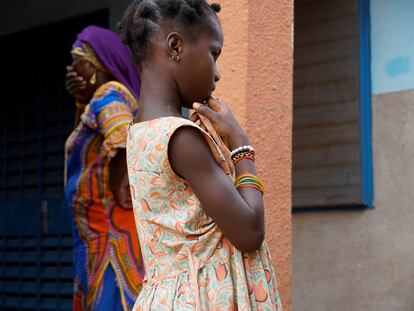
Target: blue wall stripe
point(365, 103)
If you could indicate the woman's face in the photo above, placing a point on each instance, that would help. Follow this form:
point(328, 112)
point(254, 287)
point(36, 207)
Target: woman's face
point(84, 69)
point(198, 70)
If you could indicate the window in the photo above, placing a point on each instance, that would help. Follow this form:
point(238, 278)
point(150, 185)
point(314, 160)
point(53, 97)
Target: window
point(332, 158)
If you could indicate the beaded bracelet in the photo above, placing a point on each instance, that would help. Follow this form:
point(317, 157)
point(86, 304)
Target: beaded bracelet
point(250, 181)
point(243, 155)
point(243, 152)
point(242, 148)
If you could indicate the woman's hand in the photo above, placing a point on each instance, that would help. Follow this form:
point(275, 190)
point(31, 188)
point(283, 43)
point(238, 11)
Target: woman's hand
point(122, 194)
point(75, 85)
point(118, 180)
point(223, 121)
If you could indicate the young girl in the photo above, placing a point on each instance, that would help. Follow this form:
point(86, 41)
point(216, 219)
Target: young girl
point(201, 231)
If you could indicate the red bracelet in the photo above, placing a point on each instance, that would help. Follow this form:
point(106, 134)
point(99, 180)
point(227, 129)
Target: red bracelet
point(235, 161)
point(243, 154)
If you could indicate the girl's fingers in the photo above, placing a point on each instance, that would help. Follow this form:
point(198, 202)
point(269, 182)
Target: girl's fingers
point(194, 117)
point(214, 104)
point(204, 110)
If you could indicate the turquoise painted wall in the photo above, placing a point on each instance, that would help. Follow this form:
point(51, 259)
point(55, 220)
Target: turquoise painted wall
point(392, 45)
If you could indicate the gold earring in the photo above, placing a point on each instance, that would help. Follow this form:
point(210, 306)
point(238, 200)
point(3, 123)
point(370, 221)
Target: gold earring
point(175, 58)
point(93, 79)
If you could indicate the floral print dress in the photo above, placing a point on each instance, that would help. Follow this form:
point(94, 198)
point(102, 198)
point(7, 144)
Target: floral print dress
point(190, 265)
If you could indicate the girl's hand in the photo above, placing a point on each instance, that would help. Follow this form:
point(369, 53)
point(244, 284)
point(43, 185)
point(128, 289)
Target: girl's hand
point(223, 121)
point(75, 84)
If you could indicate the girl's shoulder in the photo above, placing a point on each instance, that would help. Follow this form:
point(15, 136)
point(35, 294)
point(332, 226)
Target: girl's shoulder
point(158, 133)
point(165, 126)
point(158, 129)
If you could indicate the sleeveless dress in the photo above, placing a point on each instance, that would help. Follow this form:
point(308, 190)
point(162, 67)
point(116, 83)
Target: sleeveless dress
point(190, 265)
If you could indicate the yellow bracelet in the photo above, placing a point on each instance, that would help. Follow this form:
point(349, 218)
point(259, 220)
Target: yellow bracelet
point(249, 180)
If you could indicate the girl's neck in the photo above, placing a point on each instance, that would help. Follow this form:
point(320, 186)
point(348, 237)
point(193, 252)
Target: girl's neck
point(159, 96)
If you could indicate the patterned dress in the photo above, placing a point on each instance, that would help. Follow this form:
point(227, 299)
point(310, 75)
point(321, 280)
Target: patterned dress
point(190, 265)
point(105, 238)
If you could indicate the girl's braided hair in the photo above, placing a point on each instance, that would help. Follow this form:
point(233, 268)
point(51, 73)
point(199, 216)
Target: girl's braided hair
point(143, 18)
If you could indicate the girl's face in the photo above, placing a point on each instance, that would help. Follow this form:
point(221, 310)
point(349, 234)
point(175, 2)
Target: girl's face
point(198, 71)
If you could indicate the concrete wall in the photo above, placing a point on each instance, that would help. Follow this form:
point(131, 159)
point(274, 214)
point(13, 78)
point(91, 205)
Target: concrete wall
point(256, 81)
point(363, 260)
point(256, 72)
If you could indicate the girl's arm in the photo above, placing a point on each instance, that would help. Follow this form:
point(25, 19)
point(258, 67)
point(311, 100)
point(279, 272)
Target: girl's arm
point(239, 213)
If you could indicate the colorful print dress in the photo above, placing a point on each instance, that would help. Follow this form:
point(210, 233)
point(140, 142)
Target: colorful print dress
point(105, 237)
point(190, 265)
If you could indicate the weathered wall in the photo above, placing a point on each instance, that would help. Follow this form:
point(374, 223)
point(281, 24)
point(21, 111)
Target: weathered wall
point(256, 81)
point(363, 260)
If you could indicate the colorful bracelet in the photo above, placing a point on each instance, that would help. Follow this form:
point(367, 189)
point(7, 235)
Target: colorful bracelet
point(242, 148)
point(243, 155)
point(250, 181)
point(243, 152)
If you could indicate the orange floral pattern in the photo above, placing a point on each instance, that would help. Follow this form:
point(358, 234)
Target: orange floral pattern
point(190, 265)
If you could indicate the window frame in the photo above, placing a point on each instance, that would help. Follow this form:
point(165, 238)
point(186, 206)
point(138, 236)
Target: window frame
point(365, 104)
point(365, 117)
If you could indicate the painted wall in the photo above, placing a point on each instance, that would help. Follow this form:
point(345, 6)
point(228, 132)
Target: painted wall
point(256, 81)
point(392, 41)
point(363, 260)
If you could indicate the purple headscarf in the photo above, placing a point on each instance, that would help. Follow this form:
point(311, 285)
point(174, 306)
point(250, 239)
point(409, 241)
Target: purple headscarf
point(113, 55)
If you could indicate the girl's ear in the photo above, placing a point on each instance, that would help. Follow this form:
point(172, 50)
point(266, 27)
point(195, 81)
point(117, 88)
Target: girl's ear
point(174, 44)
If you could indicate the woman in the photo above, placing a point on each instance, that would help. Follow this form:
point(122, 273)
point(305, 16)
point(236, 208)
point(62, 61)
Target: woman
point(107, 259)
point(201, 230)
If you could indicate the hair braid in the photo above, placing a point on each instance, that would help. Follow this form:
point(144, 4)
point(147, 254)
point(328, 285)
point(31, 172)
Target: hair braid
point(143, 18)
